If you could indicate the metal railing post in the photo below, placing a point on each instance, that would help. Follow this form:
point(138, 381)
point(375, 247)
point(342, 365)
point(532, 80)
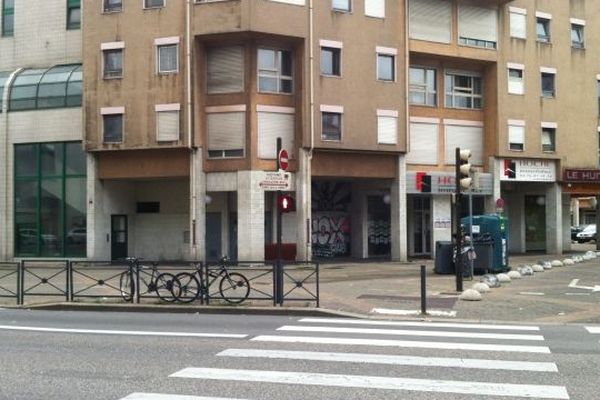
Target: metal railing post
point(423, 290)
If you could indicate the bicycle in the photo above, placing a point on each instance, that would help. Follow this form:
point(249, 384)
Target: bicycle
point(233, 286)
point(166, 285)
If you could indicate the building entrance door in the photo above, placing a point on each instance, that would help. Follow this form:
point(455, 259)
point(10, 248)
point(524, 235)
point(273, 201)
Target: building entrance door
point(118, 237)
point(535, 223)
point(378, 221)
point(213, 236)
point(421, 229)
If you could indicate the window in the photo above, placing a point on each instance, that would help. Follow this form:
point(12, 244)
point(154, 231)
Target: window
point(112, 128)
point(423, 86)
point(375, 8)
point(548, 84)
point(516, 135)
point(331, 124)
point(515, 80)
point(467, 135)
point(341, 5)
point(168, 58)
point(225, 69)
point(73, 14)
point(387, 127)
point(430, 20)
point(8, 17)
point(424, 138)
point(478, 26)
point(57, 87)
point(3, 79)
point(518, 22)
point(154, 3)
point(274, 122)
point(386, 64)
point(50, 200)
point(112, 5)
point(548, 139)
point(331, 61)
point(113, 63)
point(275, 71)
point(543, 29)
point(463, 91)
point(577, 38)
point(227, 133)
point(167, 122)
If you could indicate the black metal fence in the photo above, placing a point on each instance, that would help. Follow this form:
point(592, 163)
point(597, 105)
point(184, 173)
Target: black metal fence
point(183, 282)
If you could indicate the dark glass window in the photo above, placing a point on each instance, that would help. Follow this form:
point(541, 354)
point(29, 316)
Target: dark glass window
point(113, 63)
point(548, 87)
point(577, 39)
point(113, 5)
point(73, 14)
point(543, 30)
point(332, 126)
point(330, 61)
point(113, 128)
point(275, 71)
point(50, 200)
point(386, 68)
point(342, 5)
point(548, 139)
point(8, 17)
point(154, 3)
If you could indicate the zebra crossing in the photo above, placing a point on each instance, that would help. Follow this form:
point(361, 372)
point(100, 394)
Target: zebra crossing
point(512, 352)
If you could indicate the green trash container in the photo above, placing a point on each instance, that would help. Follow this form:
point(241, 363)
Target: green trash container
point(496, 227)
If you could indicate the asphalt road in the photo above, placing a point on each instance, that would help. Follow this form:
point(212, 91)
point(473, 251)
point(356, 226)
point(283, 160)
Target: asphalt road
point(94, 355)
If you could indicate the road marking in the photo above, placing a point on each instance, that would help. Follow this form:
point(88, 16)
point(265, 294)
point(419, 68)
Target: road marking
point(131, 333)
point(402, 332)
point(421, 324)
point(574, 284)
point(532, 293)
point(593, 329)
point(401, 343)
point(577, 294)
point(392, 360)
point(376, 382)
point(157, 396)
point(434, 313)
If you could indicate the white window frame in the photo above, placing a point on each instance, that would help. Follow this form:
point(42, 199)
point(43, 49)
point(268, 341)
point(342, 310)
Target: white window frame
point(167, 42)
point(333, 110)
point(168, 108)
point(472, 95)
point(372, 15)
point(277, 70)
point(331, 44)
point(387, 114)
point(545, 17)
point(423, 88)
point(554, 127)
point(113, 46)
point(153, 7)
point(517, 11)
point(113, 111)
point(387, 52)
point(581, 24)
point(519, 124)
point(516, 67)
point(342, 10)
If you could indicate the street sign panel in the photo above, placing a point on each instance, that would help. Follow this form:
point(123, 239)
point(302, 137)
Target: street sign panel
point(275, 181)
point(283, 160)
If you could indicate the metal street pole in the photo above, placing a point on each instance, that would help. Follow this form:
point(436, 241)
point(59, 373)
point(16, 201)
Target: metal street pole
point(458, 258)
point(278, 266)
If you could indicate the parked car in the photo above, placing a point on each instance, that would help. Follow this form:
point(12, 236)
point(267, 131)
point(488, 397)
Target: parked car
point(587, 234)
point(29, 237)
point(77, 235)
point(575, 230)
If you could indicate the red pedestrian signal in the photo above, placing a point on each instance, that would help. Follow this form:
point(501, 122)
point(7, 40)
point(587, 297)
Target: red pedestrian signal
point(286, 203)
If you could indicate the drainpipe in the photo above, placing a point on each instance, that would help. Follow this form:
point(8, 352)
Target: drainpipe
point(407, 73)
point(189, 120)
point(311, 68)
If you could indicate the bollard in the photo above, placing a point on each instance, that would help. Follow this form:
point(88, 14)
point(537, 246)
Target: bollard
point(423, 290)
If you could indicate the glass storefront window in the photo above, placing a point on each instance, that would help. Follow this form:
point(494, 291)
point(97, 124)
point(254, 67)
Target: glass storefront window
point(50, 200)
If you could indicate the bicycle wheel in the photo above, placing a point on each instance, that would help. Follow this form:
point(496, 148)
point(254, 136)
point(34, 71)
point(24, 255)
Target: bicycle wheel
point(126, 286)
point(234, 288)
point(189, 287)
point(168, 287)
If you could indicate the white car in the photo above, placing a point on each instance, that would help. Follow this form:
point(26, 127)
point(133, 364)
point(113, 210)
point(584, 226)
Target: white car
point(589, 233)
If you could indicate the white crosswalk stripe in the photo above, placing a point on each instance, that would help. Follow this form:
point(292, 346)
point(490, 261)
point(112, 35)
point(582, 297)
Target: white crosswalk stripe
point(158, 396)
point(593, 329)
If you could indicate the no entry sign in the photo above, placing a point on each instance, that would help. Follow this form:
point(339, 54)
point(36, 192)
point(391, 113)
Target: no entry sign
point(283, 159)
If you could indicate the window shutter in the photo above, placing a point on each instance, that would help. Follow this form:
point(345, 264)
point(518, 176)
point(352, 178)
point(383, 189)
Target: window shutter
point(518, 25)
point(225, 69)
point(387, 130)
point(430, 20)
point(375, 8)
point(271, 126)
point(423, 144)
point(227, 131)
point(465, 137)
point(167, 126)
point(478, 23)
point(516, 134)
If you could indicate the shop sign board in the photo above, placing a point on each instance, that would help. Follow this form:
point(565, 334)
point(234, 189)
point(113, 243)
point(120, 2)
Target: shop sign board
point(443, 183)
point(528, 170)
point(272, 181)
point(582, 175)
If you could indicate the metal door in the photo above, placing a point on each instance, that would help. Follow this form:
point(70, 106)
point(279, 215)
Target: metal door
point(213, 236)
point(118, 237)
point(421, 208)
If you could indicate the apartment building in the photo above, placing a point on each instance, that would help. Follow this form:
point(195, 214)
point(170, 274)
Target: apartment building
point(42, 162)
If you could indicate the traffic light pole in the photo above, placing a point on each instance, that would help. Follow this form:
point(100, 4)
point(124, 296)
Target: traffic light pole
point(457, 230)
point(278, 265)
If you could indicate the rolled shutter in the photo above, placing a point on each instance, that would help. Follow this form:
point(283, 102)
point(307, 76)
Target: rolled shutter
point(516, 134)
point(225, 69)
point(272, 125)
point(478, 23)
point(518, 25)
point(430, 20)
point(465, 137)
point(167, 125)
point(226, 131)
point(375, 8)
point(423, 144)
point(387, 130)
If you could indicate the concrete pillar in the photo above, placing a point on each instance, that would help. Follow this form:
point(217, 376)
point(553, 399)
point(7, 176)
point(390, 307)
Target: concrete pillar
point(495, 170)
point(359, 222)
point(5, 174)
point(303, 207)
point(251, 216)
point(398, 212)
point(554, 223)
point(515, 211)
point(575, 211)
point(441, 218)
point(98, 247)
point(197, 207)
point(566, 219)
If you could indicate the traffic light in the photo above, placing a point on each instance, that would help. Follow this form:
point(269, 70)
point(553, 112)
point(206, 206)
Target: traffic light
point(285, 203)
point(465, 168)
